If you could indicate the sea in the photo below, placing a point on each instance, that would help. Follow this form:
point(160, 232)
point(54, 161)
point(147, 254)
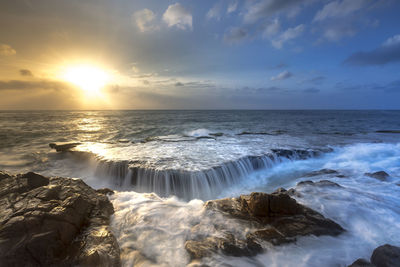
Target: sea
point(164, 165)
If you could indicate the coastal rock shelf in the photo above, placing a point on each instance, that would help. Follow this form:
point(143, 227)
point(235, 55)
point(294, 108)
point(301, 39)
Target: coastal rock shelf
point(275, 218)
point(54, 222)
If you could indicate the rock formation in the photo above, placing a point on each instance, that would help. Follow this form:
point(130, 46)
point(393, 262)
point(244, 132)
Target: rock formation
point(276, 218)
point(54, 222)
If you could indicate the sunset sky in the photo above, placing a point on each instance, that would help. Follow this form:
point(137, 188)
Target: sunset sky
point(199, 54)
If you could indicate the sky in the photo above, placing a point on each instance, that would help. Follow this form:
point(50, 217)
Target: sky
point(199, 54)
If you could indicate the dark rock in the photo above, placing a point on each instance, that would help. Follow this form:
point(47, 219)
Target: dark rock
point(105, 191)
point(227, 245)
point(319, 183)
point(63, 146)
point(321, 172)
point(388, 131)
point(276, 218)
point(386, 256)
point(381, 175)
point(217, 134)
point(54, 222)
point(361, 263)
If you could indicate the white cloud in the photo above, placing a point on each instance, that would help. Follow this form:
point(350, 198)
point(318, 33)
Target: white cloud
point(6, 50)
point(144, 20)
point(214, 12)
point(337, 9)
point(265, 8)
point(232, 7)
point(335, 32)
point(287, 35)
point(177, 16)
point(235, 35)
point(282, 76)
point(395, 40)
point(272, 28)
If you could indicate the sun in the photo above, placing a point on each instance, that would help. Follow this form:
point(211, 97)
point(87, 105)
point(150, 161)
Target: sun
point(90, 79)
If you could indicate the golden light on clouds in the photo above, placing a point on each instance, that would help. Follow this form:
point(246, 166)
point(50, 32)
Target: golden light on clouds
point(91, 79)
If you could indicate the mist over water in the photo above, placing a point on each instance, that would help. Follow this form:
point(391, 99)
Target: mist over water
point(165, 164)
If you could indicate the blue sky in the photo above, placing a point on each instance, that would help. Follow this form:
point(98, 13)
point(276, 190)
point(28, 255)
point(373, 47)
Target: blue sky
point(228, 54)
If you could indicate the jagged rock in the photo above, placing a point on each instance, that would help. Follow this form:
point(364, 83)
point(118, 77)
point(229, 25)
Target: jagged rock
point(54, 222)
point(276, 218)
point(386, 256)
point(321, 172)
point(381, 175)
point(62, 147)
point(361, 263)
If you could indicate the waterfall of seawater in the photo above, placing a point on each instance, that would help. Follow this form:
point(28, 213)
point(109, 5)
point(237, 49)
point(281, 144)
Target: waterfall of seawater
point(202, 184)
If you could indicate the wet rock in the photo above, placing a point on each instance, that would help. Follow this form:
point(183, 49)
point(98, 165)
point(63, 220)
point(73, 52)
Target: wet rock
point(217, 134)
point(386, 256)
point(323, 183)
point(62, 147)
point(227, 245)
point(276, 218)
point(380, 175)
point(54, 222)
point(361, 263)
point(388, 131)
point(105, 191)
point(321, 172)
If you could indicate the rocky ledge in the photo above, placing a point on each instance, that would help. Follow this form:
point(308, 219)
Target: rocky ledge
point(54, 222)
point(275, 218)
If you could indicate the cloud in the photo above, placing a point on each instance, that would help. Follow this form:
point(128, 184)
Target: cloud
point(288, 35)
point(317, 79)
point(235, 35)
point(179, 84)
point(6, 50)
point(214, 12)
point(232, 7)
point(388, 52)
point(265, 8)
point(25, 72)
point(338, 9)
point(395, 40)
point(177, 16)
point(282, 76)
point(144, 20)
point(337, 31)
point(33, 85)
point(271, 28)
point(311, 90)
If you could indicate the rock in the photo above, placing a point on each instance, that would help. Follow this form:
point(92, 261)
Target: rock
point(217, 134)
point(319, 183)
point(321, 172)
point(105, 191)
point(276, 218)
point(63, 146)
point(388, 131)
point(227, 245)
point(54, 222)
point(361, 263)
point(381, 175)
point(386, 256)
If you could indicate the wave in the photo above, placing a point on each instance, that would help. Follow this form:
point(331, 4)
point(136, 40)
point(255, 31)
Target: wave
point(187, 185)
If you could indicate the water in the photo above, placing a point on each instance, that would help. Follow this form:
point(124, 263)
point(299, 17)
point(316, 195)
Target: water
point(188, 157)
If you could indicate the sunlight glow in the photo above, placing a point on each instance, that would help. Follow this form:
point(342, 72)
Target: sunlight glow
point(89, 78)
